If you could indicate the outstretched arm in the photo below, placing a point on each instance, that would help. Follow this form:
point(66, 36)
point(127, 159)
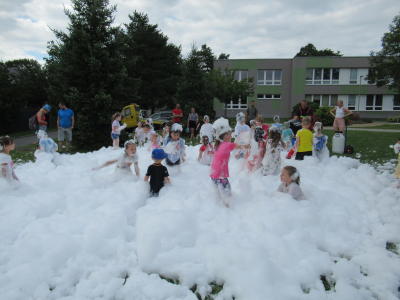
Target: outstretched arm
point(106, 164)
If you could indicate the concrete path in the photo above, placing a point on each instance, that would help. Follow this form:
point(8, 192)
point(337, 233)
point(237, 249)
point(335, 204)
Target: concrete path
point(29, 140)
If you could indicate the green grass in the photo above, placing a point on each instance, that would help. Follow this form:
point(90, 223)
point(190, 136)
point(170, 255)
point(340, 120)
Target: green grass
point(385, 126)
point(28, 132)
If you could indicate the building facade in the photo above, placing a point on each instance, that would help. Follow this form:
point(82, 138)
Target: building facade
point(282, 83)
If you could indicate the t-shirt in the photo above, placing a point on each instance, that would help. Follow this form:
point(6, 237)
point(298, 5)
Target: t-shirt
point(65, 117)
point(219, 166)
point(306, 140)
point(140, 134)
point(6, 159)
point(241, 128)
point(48, 145)
point(174, 149)
point(157, 173)
point(251, 113)
point(207, 129)
point(125, 159)
point(177, 112)
point(304, 112)
point(266, 130)
point(115, 123)
point(292, 189)
point(277, 124)
point(205, 148)
point(287, 134)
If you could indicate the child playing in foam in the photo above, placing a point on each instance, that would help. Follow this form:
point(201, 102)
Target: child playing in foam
point(276, 122)
point(116, 129)
point(146, 132)
point(125, 160)
point(290, 178)
point(397, 151)
point(157, 173)
point(149, 121)
point(304, 140)
point(139, 134)
point(272, 159)
point(166, 131)
point(254, 155)
point(174, 146)
point(320, 150)
point(207, 129)
point(260, 122)
point(241, 127)
point(287, 135)
point(206, 152)
point(46, 144)
point(223, 148)
point(153, 144)
point(7, 172)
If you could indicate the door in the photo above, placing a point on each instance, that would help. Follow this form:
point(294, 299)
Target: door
point(128, 118)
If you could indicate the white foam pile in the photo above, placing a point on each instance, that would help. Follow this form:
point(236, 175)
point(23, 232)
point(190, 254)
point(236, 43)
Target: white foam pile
point(66, 237)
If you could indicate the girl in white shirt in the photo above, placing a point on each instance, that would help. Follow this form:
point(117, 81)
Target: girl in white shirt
point(339, 123)
point(6, 163)
point(290, 178)
point(207, 129)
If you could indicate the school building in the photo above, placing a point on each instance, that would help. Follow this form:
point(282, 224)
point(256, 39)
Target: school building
point(282, 83)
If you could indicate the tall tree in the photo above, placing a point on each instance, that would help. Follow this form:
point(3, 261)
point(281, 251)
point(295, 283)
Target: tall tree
point(224, 56)
point(194, 88)
point(9, 103)
point(207, 58)
point(227, 88)
point(386, 63)
point(86, 69)
point(152, 59)
point(311, 50)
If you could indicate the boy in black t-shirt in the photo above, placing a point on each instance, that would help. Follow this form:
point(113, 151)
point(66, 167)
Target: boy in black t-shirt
point(157, 172)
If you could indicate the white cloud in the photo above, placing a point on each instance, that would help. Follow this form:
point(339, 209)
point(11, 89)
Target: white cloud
point(255, 29)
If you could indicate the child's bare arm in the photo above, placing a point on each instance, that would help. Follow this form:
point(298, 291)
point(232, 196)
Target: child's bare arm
point(166, 179)
point(105, 164)
point(14, 176)
point(200, 155)
point(4, 170)
point(137, 170)
point(146, 178)
point(297, 142)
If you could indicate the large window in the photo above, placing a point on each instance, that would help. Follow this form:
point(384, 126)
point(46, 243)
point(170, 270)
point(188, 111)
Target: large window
point(269, 77)
point(322, 76)
point(374, 102)
point(396, 102)
point(353, 76)
point(323, 100)
point(352, 102)
point(261, 96)
point(241, 74)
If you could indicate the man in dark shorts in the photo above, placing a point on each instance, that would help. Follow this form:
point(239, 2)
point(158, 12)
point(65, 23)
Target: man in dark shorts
point(251, 113)
point(304, 111)
point(177, 113)
point(157, 172)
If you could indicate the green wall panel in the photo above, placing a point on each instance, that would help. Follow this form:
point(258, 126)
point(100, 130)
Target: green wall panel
point(319, 62)
point(353, 89)
point(269, 89)
point(252, 98)
point(276, 104)
point(218, 104)
point(299, 81)
point(391, 92)
point(246, 64)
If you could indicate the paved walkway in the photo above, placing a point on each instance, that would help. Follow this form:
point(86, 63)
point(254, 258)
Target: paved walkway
point(29, 140)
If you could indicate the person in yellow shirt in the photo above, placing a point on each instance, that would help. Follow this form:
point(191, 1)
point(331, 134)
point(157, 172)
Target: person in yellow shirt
point(304, 140)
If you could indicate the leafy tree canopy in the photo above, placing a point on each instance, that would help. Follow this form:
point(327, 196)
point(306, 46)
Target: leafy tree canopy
point(386, 63)
point(311, 50)
point(224, 56)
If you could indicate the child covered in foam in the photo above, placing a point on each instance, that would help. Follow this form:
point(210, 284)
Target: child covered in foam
point(254, 155)
point(272, 159)
point(276, 122)
point(287, 135)
point(320, 150)
point(153, 143)
point(241, 138)
point(46, 144)
point(290, 178)
point(174, 146)
point(207, 129)
point(223, 148)
point(6, 163)
point(139, 134)
point(206, 152)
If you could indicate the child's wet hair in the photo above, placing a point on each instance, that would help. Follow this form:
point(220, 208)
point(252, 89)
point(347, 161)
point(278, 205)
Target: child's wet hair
point(205, 140)
point(175, 128)
point(116, 115)
point(293, 173)
point(276, 118)
point(220, 139)
point(319, 126)
point(128, 143)
point(252, 122)
point(146, 126)
point(276, 136)
point(258, 134)
point(5, 141)
point(286, 125)
point(260, 119)
point(306, 121)
point(206, 118)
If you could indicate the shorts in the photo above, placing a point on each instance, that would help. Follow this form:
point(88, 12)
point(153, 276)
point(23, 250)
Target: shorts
point(64, 132)
point(223, 185)
point(339, 122)
point(300, 155)
point(170, 163)
point(192, 124)
point(42, 127)
point(114, 136)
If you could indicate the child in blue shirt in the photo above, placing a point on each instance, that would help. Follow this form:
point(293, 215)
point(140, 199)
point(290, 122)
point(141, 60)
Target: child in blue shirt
point(174, 146)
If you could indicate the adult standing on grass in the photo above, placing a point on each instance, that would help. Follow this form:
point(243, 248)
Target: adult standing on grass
point(42, 118)
point(339, 123)
point(193, 118)
point(177, 113)
point(65, 124)
point(251, 113)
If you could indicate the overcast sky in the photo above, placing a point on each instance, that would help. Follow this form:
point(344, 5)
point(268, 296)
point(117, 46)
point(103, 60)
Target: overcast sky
point(244, 29)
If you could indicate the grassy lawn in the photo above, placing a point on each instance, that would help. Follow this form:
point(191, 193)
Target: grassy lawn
point(28, 132)
point(385, 126)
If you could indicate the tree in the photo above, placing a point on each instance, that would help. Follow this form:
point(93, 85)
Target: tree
point(194, 89)
point(311, 50)
point(227, 88)
point(207, 58)
point(9, 103)
point(152, 59)
point(224, 56)
point(86, 69)
point(386, 63)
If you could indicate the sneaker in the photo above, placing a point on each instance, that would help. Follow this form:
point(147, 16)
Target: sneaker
point(67, 153)
point(60, 152)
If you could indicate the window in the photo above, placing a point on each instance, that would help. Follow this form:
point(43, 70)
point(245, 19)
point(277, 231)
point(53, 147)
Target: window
point(353, 76)
point(352, 102)
point(322, 76)
point(237, 104)
point(323, 100)
point(259, 96)
point(241, 74)
point(269, 77)
point(396, 102)
point(126, 112)
point(374, 102)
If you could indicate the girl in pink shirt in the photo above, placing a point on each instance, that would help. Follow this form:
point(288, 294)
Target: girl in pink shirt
point(223, 148)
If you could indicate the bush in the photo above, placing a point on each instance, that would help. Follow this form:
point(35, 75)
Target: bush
point(325, 117)
point(393, 119)
point(313, 105)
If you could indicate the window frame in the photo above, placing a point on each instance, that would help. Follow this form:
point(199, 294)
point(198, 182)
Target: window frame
point(273, 81)
point(321, 99)
point(272, 96)
point(374, 107)
point(238, 105)
point(321, 80)
point(396, 107)
point(355, 102)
